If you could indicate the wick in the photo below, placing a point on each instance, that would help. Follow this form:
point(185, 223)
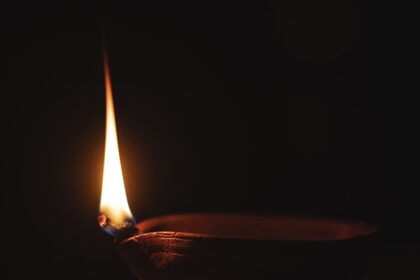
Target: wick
point(119, 232)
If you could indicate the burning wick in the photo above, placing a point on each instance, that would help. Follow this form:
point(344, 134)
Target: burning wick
point(120, 231)
point(115, 218)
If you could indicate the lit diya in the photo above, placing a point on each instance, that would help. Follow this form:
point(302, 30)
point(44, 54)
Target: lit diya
point(227, 246)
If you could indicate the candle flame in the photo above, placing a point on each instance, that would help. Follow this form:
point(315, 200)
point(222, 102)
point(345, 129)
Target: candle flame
point(114, 204)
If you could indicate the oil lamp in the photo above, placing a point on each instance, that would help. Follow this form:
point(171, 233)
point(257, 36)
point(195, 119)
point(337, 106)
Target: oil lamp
point(226, 246)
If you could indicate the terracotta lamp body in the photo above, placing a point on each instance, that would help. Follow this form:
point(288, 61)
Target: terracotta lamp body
point(233, 246)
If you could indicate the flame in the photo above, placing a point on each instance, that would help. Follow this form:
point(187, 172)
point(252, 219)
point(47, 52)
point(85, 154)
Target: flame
point(114, 202)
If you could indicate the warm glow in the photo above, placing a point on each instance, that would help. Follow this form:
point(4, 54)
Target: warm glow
point(113, 199)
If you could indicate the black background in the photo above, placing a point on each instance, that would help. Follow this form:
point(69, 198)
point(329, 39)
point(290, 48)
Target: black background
point(275, 108)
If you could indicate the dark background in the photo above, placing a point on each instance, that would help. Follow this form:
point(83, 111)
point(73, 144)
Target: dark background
point(284, 107)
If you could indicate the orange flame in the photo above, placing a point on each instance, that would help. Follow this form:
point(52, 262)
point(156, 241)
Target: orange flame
point(114, 202)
